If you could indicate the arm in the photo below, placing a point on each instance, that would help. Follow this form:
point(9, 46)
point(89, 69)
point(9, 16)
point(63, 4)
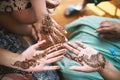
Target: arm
point(39, 7)
point(91, 61)
point(110, 72)
point(32, 59)
point(45, 25)
point(7, 57)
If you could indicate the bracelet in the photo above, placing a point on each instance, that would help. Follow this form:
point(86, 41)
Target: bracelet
point(2, 76)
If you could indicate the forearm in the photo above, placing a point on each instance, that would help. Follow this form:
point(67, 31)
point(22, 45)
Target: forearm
point(110, 72)
point(8, 58)
point(39, 7)
point(13, 26)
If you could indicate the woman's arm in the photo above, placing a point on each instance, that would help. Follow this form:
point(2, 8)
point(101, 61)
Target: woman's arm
point(7, 57)
point(45, 25)
point(33, 59)
point(91, 61)
point(110, 72)
point(40, 9)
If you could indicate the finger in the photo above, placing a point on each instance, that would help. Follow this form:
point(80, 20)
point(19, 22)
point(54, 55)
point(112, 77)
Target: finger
point(56, 53)
point(75, 51)
point(34, 34)
point(51, 68)
point(81, 44)
point(105, 29)
point(55, 59)
point(37, 29)
point(108, 36)
point(39, 52)
point(38, 44)
point(49, 37)
point(106, 23)
point(59, 27)
point(39, 36)
point(75, 46)
point(53, 48)
point(38, 68)
point(57, 32)
point(56, 37)
point(34, 31)
point(68, 56)
point(83, 68)
point(52, 4)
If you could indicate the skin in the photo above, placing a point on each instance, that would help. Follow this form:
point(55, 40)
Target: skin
point(88, 62)
point(38, 25)
point(51, 57)
point(52, 3)
point(22, 22)
point(107, 71)
point(16, 76)
point(109, 29)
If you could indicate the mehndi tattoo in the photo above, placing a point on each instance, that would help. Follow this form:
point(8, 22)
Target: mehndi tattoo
point(95, 60)
point(27, 63)
point(47, 25)
point(52, 31)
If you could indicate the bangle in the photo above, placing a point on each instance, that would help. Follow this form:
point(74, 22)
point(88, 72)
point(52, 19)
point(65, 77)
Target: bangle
point(2, 76)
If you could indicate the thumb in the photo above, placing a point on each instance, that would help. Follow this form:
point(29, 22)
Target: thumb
point(83, 68)
point(78, 68)
point(38, 44)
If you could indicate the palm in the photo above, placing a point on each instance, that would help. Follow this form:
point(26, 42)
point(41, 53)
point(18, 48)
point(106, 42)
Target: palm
point(50, 30)
point(90, 59)
point(37, 60)
point(31, 51)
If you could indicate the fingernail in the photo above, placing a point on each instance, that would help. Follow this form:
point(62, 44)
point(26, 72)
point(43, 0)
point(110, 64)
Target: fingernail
point(95, 31)
point(44, 41)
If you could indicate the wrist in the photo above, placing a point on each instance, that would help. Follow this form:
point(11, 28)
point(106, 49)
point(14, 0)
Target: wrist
point(40, 19)
point(101, 70)
point(17, 62)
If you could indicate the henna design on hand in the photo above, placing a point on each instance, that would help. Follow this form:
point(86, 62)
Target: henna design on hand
point(96, 60)
point(47, 25)
point(51, 30)
point(27, 63)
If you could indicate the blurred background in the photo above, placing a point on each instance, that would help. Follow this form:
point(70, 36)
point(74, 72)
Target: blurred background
point(107, 9)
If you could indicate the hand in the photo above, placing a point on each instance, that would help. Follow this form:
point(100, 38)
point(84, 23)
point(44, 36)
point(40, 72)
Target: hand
point(109, 29)
point(36, 60)
point(16, 76)
point(49, 29)
point(52, 3)
point(88, 57)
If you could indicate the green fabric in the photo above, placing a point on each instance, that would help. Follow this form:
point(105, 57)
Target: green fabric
point(83, 30)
